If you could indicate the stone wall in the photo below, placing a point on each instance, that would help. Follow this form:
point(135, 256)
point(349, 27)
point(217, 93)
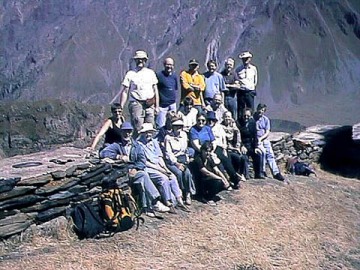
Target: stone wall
point(36, 194)
point(33, 195)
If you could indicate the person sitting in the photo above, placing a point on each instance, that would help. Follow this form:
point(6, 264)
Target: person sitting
point(167, 128)
point(111, 127)
point(188, 114)
point(234, 145)
point(128, 151)
point(209, 174)
point(220, 145)
point(157, 169)
point(217, 106)
point(247, 127)
point(177, 158)
point(263, 131)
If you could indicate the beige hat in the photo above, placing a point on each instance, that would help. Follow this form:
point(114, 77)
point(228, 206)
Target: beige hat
point(146, 127)
point(140, 55)
point(178, 122)
point(245, 55)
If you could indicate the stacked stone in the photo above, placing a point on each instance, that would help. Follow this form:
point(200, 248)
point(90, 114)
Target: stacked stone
point(41, 198)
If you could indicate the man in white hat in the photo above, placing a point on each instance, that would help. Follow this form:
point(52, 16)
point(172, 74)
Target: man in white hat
point(157, 169)
point(248, 78)
point(140, 86)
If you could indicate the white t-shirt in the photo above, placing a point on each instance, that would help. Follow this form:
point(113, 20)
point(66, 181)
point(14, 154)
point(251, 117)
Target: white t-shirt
point(140, 83)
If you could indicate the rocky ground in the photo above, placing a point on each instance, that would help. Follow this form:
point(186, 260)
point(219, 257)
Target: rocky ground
point(312, 223)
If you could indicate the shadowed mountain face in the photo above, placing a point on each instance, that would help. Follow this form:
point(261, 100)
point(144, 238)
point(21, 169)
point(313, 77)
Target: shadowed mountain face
point(307, 52)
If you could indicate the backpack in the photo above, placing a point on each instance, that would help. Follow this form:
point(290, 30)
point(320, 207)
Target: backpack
point(87, 222)
point(119, 210)
point(299, 168)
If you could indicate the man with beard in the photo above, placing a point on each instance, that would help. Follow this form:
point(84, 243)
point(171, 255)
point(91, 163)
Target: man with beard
point(250, 147)
point(128, 151)
point(168, 88)
point(217, 106)
point(248, 78)
point(232, 84)
point(140, 85)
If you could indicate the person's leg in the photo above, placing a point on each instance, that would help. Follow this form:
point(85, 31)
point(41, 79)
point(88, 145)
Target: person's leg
point(137, 114)
point(240, 103)
point(249, 99)
point(212, 187)
point(161, 117)
point(148, 191)
point(270, 157)
point(178, 173)
point(231, 105)
point(226, 162)
point(149, 115)
point(161, 181)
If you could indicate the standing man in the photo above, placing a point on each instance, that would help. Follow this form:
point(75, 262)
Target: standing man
point(214, 82)
point(140, 86)
point(168, 87)
point(193, 85)
point(248, 80)
point(232, 84)
point(263, 131)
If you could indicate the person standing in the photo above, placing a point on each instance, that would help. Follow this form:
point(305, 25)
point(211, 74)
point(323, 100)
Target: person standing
point(193, 85)
point(140, 86)
point(248, 78)
point(263, 131)
point(232, 84)
point(214, 82)
point(168, 88)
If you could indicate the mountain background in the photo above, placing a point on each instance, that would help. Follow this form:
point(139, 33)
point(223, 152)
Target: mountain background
point(307, 52)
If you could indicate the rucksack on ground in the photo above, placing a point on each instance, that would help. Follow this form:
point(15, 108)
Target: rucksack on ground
point(86, 220)
point(119, 210)
point(294, 166)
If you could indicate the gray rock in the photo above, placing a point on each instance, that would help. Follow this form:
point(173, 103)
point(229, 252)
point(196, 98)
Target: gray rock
point(15, 192)
point(50, 214)
point(20, 202)
point(277, 136)
point(322, 129)
point(57, 175)
point(356, 132)
point(57, 186)
point(36, 181)
point(7, 184)
point(62, 195)
point(11, 229)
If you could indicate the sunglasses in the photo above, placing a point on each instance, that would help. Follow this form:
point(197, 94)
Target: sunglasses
point(201, 120)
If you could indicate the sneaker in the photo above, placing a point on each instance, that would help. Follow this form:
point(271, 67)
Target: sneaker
point(160, 207)
point(188, 199)
point(150, 214)
point(182, 207)
point(279, 177)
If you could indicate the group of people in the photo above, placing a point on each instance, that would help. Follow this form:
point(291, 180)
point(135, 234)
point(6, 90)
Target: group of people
point(198, 149)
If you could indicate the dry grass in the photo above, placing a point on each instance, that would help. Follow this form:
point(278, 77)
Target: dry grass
point(309, 224)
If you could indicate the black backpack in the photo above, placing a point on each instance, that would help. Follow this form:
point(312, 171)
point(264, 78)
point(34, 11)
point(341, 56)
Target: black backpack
point(294, 166)
point(86, 221)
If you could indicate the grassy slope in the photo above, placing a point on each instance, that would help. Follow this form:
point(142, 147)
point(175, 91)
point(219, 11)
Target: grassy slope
point(309, 224)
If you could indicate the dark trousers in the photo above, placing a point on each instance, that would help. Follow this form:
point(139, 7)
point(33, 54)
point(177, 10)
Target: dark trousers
point(245, 99)
point(226, 162)
point(257, 161)
point(231, 104)
point(240, 162)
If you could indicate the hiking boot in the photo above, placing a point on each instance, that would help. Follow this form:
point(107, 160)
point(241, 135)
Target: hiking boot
point(279, 177)
point(259, 176)
point(160, 207)
point(188, 199)
point(172, 210)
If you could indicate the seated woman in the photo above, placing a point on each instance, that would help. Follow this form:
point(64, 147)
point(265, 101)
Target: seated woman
point(111, 127)
point(209, 174)
point(188, 113)
point(234, 146)
point(177, 159)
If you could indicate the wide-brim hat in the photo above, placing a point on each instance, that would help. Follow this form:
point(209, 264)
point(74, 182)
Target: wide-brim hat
point(245, 55)
point(178, 122)
point(126, 126)
point(193, 62)
point(211, 116)
point(147, 127)
point(140, 55)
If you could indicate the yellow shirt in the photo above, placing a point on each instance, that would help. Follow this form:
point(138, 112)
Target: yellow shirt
point(196, 79)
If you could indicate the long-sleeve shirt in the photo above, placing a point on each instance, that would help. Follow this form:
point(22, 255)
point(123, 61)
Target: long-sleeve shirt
point(196, 79)
point(175, 146)
point(248, 77)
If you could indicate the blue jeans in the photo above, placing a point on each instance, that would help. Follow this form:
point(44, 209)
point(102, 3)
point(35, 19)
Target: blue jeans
point(268, 157)
point(146, 188)
point(185, 179)
point(161, 117)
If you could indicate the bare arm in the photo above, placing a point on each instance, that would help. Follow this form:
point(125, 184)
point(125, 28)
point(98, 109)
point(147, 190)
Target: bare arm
point(196, 144)
point(157, 98)
point(101, 133)
point(263, 137)
point(124, 96)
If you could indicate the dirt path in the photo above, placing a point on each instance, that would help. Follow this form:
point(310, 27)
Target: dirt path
point(309, 224)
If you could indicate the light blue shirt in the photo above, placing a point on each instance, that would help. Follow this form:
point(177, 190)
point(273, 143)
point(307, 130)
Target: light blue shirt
point(215, 84)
